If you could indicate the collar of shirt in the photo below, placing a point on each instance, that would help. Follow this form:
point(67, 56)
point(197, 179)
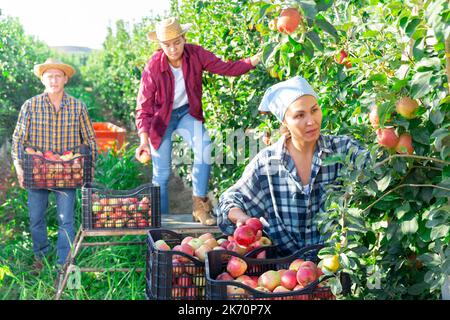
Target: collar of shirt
point(281, 154)
point(165, 61)
point(64, 101)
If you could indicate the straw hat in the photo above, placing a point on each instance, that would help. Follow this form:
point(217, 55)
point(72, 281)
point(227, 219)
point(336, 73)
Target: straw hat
point(168, 29)
point(51, 63)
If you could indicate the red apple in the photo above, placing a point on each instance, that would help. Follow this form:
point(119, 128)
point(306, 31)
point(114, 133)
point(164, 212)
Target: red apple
point(244, 235)
point(186, 239)
point(201, 252)
point(225, 276)
point(373, 117)
point(306, 275)
point(407, 107)
point(161, 245)
point(255, 224)
point(387, 137)
point(404, 144)
point(236, 267)
point(296, 264)
point(288, 20)
point(289, 279)
point(184, 280)
point(269, 279)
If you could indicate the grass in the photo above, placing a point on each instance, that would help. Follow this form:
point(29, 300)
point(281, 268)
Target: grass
point(16, 253)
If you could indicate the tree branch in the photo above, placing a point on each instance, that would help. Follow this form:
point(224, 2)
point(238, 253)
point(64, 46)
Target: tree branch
point(405, 185)
point(379, 164)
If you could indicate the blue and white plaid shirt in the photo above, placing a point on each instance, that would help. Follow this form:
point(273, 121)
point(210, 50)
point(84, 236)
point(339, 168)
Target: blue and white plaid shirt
point(270, 187)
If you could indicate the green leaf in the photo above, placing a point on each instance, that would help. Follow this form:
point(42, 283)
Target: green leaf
point(436, 117)
point(315, 39)
point(379, 77)
point(420, 84)
point(400, 212)
point(335, 285)
point(430, 259)
point(323, 24)
point(417, 288)
point(411, 26)
point(426, 64)
point(384, 183)
point(269, 51)
point(309, 8)
point(330, 160)
point(419, 48)
point(440, 232)
point(399, 84)
point(409, 227)
point(323, 5)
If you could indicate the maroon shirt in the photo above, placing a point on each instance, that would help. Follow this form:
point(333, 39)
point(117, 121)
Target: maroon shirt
point(157, 89)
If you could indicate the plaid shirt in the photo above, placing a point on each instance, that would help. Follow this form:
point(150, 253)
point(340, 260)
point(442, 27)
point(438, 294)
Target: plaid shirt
point(41, 127)
point(271, 187)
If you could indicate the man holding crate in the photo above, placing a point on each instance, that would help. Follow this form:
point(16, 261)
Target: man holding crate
point(53, 121)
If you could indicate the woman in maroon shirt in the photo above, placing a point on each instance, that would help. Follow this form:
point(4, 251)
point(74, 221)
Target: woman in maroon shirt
point(170, 100)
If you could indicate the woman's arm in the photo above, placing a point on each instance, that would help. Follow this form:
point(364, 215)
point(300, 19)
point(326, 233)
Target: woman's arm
point(243, 200)
point(144, 111)
point(213, 64)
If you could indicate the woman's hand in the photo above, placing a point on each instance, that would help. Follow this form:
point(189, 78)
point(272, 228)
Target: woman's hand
point(145, 147)
point(236, 215)
point(256, 58)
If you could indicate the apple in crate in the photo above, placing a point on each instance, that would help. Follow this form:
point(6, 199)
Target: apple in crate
point(296, 264)
point(306, 274)
point(144, 204)
point(186, 239)
point(195, 243)
point(131, 223)
point(29, 150)
point(269, 279)
point(201, 252)
point(289, 279)
point(224, 276)
point(162, 245)
point(142, 223)
point(236, 267)
point(184, 280)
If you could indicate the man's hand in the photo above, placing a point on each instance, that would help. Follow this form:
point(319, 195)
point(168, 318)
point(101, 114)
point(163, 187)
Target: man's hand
point(19, 172)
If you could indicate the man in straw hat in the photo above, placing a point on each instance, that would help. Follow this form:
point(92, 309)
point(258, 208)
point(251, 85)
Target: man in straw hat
point(286, 183)
point(170, 100)
point(58, 122)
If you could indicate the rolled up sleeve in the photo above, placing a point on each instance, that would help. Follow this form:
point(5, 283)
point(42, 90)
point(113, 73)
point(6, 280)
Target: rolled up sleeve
point(246, 194)
point(88, 133)
point(214, 64)
point(20, 133)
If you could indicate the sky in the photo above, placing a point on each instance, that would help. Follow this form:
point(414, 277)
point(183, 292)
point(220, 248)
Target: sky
point(78, 22)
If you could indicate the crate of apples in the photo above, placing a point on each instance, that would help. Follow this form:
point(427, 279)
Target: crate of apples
point(119, 209)
point(49, 169)
point(296, 277)
point(177, 263)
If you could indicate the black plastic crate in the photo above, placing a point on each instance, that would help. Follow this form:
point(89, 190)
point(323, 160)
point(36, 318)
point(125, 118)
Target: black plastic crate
point(106, 209)
point(216, 263)
point(166, 281)
point(50, 170)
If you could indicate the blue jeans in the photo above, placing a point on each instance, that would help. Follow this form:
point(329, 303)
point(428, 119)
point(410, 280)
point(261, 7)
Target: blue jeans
point(65, 207)
point(196, 136)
